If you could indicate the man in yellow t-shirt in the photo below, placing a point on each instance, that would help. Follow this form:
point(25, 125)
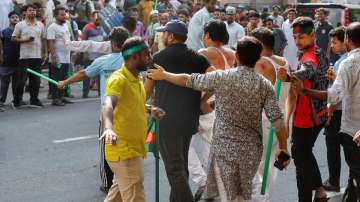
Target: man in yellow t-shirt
point(125, 124)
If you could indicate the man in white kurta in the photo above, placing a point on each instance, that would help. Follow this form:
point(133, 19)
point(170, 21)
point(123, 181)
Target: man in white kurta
point(290, 51)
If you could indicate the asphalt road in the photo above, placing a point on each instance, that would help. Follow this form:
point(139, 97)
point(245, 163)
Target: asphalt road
point(40, 161)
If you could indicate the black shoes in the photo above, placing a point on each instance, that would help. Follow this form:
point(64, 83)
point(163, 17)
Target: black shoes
point(16, 105)
point(36, 103)
point(329, 187)
point(66, 101)
point(58, 102)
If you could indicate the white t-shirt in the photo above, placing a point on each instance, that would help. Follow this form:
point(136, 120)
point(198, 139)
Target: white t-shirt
point(279, 20)
point(236, 32)
point(30, 50)
point(60, 33)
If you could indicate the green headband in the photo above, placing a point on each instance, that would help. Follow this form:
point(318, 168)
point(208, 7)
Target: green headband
point(133, 50)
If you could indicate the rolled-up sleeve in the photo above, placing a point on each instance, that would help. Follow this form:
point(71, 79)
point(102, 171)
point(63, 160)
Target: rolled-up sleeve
point(272, 109)
point(205, 82)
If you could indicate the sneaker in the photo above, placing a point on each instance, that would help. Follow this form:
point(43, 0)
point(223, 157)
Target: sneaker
point(36, 103)
point(66, 101)
point(85, 96)
point(329, 187)
point(2, 109)
point(57, 102)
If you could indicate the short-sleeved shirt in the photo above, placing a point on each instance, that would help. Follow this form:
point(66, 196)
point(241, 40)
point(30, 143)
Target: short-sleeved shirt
point(11, 50)
point(129, 116)
point(32, 49)
point(104, 66)
point(90, 32)
point(59, 33)
point(182, 105)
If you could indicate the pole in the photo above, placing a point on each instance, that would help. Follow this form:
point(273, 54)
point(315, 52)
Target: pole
point(42, 76)
point(269, 144)
point(157, 159)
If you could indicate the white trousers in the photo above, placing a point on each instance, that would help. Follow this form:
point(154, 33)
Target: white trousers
point(200, 149)
point(257, 181)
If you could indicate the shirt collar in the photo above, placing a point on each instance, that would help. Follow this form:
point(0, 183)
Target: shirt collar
point(128, 74)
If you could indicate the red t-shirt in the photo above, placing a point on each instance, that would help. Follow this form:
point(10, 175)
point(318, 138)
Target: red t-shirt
point(304, 115)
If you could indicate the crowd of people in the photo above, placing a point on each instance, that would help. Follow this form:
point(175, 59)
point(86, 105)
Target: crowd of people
point(207, 71)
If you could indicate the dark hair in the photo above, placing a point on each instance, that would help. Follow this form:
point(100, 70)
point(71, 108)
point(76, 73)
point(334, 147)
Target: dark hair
point(118, 35)
point(291, 10)
point(265, 36)
point(58, 9)
point(129, 23)
point(248, 45)
point(217, 31)
point(12, 13)
point(303, 23)
point(352, 32)
point(27, 6)
point(322, 10)
point(131, 42)
point(268, 19)
point(339, 33)
point(183, 12)
point(253, 14)
point(179, 37)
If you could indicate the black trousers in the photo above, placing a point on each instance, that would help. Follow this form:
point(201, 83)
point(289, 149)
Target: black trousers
point(333, 145)
point(174, 150)
point(307, 170)
point(58, 73)
point(4, 86)
point(106, 174)
point(86, 81)
point(21, 76)
point(352, 155)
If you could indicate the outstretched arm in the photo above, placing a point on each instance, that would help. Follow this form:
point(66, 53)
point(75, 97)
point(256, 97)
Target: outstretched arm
point(159, 74)
point(79, 76)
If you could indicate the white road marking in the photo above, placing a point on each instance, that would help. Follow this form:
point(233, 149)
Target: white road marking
point(75, 139)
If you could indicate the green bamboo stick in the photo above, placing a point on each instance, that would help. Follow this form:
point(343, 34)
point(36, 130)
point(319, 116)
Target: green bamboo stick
point(42, 76)
point(269, 144)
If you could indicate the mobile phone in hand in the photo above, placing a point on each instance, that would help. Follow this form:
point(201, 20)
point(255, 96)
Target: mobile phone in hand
point(283, 157)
